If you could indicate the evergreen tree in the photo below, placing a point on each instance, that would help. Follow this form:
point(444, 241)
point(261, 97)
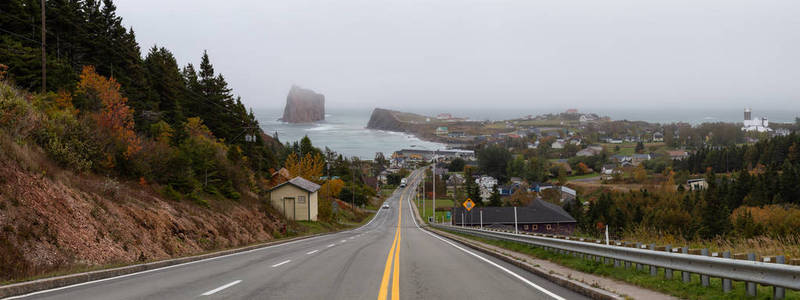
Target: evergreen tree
point(167, 84)
point(494, 199)
point(715, 215)
point(639, 147)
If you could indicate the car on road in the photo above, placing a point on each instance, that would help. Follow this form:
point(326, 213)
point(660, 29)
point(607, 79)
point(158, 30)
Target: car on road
point(385, 205)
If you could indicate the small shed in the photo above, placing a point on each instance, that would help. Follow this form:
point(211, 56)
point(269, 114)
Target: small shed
point(297, 199)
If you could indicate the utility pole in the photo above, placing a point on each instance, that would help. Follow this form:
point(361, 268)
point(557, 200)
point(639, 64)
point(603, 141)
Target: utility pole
point(44, 54)
point(353, 202)
point(434, 184)
point(329, 183)
point(423, 192)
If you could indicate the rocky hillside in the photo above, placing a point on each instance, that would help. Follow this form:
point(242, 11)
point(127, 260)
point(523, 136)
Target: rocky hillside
point(384, 119)
point(303, 106)
point(53, 220)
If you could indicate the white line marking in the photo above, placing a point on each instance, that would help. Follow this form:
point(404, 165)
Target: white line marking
point(344, 241)
point(185, 264)
point(549, 293)
point(331, 245)
point(282, 263)
point(211, 292)
point(311, 252)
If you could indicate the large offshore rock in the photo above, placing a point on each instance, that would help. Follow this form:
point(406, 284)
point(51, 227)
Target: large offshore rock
point(303, 106)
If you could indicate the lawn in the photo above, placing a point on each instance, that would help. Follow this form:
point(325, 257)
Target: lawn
point(590, 175)
point(440, 203)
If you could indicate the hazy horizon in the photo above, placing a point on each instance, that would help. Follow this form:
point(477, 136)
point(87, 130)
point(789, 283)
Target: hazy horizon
point(490, 54)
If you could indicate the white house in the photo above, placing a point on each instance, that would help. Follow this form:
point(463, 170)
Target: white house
point(486, 183)
point(757, 124)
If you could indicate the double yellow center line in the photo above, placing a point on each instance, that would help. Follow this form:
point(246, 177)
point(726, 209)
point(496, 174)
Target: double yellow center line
point(394, 256)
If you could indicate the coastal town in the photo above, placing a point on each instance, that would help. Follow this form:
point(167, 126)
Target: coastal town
point(581, 150)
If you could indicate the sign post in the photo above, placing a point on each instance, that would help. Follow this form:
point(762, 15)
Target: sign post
point(516, 229)
point(468, 204)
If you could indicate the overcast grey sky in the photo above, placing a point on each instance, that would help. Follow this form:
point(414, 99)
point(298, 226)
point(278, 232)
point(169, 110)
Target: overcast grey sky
point(493, 53)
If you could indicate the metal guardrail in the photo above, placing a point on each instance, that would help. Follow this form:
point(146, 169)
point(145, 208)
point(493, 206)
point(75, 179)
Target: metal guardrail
point(752, 272)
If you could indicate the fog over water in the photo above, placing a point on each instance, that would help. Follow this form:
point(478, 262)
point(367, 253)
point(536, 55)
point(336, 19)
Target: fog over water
point(659, 61)
point(501, 54)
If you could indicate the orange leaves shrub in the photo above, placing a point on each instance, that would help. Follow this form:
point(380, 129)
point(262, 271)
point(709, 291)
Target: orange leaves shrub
point(3, 71)
point(777, 220)
point(583, 168)
point(334, 186)
point(308, 167)
point(114, 115)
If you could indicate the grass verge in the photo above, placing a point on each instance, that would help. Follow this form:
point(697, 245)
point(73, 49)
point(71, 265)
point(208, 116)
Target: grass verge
point(674, 286)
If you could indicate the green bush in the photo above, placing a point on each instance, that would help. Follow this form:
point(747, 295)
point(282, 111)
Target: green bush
point(69, 142)
point(171, 193)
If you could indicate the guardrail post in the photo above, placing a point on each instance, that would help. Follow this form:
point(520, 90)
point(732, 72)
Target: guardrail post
point(668, 271)
point(639, 266)
point(752, 288)
point(515, 220)
point(704, 278)
point(653, 269)
point(779, 292)
point(727, 285)
point(627, 263)
point(687, 277)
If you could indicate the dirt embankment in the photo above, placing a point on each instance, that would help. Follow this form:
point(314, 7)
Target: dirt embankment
point(52, 222)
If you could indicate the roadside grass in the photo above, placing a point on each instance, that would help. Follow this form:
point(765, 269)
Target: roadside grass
point(440, 203)
point(590, 175)
point(674, 286)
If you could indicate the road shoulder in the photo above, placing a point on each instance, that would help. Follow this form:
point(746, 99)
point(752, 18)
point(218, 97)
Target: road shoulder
point(593, 286)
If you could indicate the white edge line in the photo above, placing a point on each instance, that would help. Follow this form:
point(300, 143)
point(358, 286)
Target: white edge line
point(331, 245)
point(312, 252)
point(523, 279)
point(282, 263)
point(182, 264)
point(211, 292)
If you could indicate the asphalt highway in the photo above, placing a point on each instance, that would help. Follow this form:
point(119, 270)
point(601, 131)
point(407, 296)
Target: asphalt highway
point(391, 257)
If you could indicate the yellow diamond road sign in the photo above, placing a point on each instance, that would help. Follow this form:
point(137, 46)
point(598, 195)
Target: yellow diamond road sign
point(469, 204)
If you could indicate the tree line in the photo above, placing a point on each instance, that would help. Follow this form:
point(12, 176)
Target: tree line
point(110, 110)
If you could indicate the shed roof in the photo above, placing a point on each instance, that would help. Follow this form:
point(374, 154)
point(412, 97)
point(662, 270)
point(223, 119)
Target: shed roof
point(301, 183)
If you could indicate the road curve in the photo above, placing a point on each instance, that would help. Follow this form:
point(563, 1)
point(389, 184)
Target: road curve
point(389, 257)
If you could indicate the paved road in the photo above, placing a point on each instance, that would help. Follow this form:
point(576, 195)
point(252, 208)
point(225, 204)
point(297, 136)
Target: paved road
point(389, 258)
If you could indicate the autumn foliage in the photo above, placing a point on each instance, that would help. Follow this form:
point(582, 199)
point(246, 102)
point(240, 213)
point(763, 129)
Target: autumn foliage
point(114, 115)
point(309, 167)
point(334, 186)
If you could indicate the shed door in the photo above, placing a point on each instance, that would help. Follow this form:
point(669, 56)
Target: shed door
point(289, 208)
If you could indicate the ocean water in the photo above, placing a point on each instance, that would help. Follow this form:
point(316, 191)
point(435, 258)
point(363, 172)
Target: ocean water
point(344, 131)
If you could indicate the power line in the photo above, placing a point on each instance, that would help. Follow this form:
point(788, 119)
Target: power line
point(19, 35)
point(114, 46)
point(44, 51)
